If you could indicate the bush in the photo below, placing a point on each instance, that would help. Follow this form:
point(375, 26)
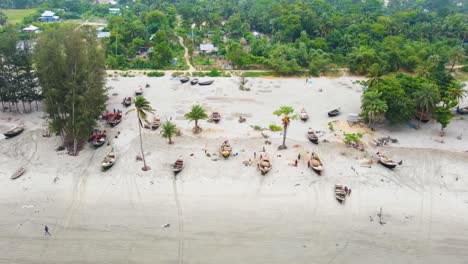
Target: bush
point(275, 128)
point(198, 74)
point(155, 74)
point(330, 126)
point(257, 128)
point(464, 68)
point(353, 137)
point(213, 73)
point(177, 73)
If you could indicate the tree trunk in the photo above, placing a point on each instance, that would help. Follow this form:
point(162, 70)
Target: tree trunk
point(75, 146)
point(3, 107)
point(453, 65)
point(284, 135)
point(24, 107)
point(37, 106)
point(145, 168)
point(170, 140)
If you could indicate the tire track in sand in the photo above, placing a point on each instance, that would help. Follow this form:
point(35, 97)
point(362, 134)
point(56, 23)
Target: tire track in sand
point(180, 218)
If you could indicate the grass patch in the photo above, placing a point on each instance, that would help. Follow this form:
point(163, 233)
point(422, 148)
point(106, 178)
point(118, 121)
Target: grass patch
point(353, 137)
point(17, 15)
point(275, 128)
point(155, 74)
point(257, 128)
point(260, 74)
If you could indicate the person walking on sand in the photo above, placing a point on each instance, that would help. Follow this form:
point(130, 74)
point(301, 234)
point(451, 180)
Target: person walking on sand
point(295, 163)
point(46, 229)
point(308, 164)
point(255, 155)
point(299, 156)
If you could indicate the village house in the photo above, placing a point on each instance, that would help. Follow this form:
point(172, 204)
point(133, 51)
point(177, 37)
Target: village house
point(49, 16)
point(208, 48)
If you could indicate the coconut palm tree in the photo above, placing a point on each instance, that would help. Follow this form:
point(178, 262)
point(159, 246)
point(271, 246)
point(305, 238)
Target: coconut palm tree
point(457, 92)
point(426, 99)
point(168, 130)
point(457, 54)
point(142, 107)
point(373, 108)
point(285, 112)
point(374, 74)
point(197, 113)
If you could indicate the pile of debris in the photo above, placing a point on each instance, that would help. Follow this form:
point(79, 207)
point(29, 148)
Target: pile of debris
point(384, 141)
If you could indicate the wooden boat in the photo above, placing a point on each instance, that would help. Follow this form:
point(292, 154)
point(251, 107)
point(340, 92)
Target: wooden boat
point(264, 164)
point(109, 160)
point(462, 111)
point(184, 79)
point(18, 173)
point(177, 166)
point(316, 163)
point(225, 150)
point(216, 117)
point(312, 136)
point(386, 162)
point(14, 132)
point(303, 115)
point(139, 91)
point(334, 112)
point(114, 119)
point(155, 123)
point(98, 140)
point(194, 81)
point(340, 193)
point(127, 101)
point(423, 117)
point(206, 83)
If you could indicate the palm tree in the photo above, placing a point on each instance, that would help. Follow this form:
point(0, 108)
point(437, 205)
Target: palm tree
point(426, 99)
point(142, 107)
point(373, 108)
point(457, 54)
point(169, 129)
point(374, 74)
point(197, 113)
point(457, 92)
point(285, 112)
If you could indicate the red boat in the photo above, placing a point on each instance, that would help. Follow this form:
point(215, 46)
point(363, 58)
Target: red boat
point(98, 139)
point(113, 119)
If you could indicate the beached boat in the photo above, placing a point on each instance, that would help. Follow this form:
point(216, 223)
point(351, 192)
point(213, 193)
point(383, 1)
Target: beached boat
point(225, 150)
point(206, 83)
point(155, 123)
point(139, 91)
point(334, 112)
point(109, 160)
point(462, 111)
point(114, 119)
point(98, 140)
point(303, 115)
point(216, 117)
point(194, 81)
point(14, 132)
point(423, 117)
point(127, 101)
point(386, 162)
point(184, 79)
point(264, 165)
point(316, 163)
point(177, 166)
point(312, 136)
point(340, 193)
point(18, 173)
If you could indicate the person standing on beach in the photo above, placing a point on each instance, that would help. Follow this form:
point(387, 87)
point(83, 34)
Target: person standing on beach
point(46, 229)
point(308, 164)
point(299, 156)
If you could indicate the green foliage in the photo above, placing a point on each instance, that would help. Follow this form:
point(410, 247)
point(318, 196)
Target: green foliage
point(142, 107)
point(330, 126)
point(443, 116)
point(257, 128)
point(464, 68)
point(168, 130)
point(155, 74)
point(275, 128)
point(353, 138)
point(197, 113)
point(214, 73)
point(373, 107)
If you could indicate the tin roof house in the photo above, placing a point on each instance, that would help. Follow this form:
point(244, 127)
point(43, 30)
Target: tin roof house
point(49, 16)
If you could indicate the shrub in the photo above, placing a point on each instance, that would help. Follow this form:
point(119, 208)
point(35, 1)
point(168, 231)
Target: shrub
point(330, 126)
point(275, 128)
point(464, 68)
point(198, 74)
point(155, 74)
point(257, 128)
point(353, 137)
point(213, 73)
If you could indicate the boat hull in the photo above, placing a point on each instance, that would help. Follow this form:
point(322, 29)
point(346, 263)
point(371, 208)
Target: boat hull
point(12, 133)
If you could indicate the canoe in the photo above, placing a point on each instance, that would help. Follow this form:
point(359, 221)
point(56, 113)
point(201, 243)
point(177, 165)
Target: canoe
point(316, 163)
point(114, 119)
point(303, 115)
point(177, 166)
point(194, 81)
point(340, 193)
point(18, 173)
point(155, 123)
point(99, 140)
point(184, 79)
point(216, 117)
point(312, 136)
point(127, 101)
point(386, 162)
point(334, 112)
point(206, 83)
point(264, 164)
point(109, 160)
point(225, 150)
point(139, 91)
point(424, 118)
point(462, 111)
point(14, 132)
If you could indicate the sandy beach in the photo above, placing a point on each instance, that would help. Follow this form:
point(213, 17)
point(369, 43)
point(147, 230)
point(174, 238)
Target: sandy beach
point(221, 211)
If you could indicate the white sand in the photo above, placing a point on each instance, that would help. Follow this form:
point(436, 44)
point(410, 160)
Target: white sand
point(223, 212)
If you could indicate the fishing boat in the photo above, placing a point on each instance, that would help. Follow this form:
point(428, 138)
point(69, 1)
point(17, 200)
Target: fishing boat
point(127, 101)
point(14, 132)
point(423, 117)
point(139, 91)
point(216, 117)
point(155, 123)
point(177, 166)
point(462, 111)
point(225, 150)
point(316, 163)
point(184, 79)
point(312, 136)
point(334, 112)
point(206, 83)
point(194, 81)
point(109, 160)
point(18, 173)
point(114, 119)
point(386, 162)
point(303, 115)
point(340, 193)
point(264, 165)
point(99, 139)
